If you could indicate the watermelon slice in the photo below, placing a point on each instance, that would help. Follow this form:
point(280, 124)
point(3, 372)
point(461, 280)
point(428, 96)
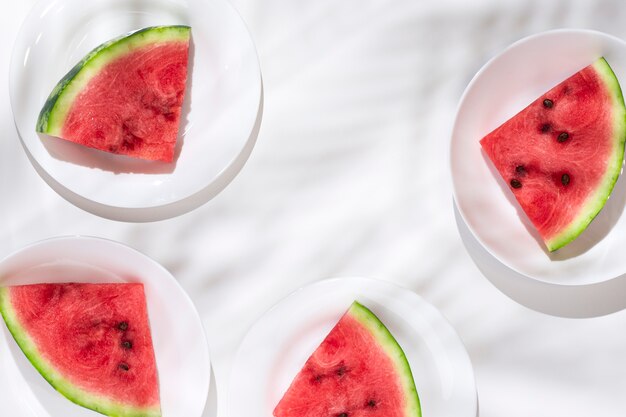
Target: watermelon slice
point(358, 370)
point(562, 155)
point(125, 96)
point(91, 342)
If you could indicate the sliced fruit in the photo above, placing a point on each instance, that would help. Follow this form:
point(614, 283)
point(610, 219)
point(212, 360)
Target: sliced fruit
point(91, 342)
point(562, 155)
point(358, 370)
point(125, 96)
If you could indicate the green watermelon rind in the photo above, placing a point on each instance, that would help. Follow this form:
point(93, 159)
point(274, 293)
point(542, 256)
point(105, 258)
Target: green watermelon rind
point(394, 351)
point(73, 393)
point(597, 200)
point(54, 112)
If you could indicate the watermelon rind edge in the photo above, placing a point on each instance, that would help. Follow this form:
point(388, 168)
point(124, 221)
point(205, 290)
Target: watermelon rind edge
point(394, 351)
point(55, 109)
point(598, 199)
point(58, 382)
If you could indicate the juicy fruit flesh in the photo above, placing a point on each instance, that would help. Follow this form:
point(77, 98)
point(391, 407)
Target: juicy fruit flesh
point(555, 154)
point(133, 106)
point(350, 375)
point(131, 91)
point(96, 337)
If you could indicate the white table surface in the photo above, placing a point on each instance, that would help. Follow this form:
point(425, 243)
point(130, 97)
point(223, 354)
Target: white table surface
point(349, 177)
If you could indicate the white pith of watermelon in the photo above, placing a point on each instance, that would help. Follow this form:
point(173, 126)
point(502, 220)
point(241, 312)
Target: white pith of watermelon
point(125, 96)
point(82, 360)
point(358, 370)
point(561, 158)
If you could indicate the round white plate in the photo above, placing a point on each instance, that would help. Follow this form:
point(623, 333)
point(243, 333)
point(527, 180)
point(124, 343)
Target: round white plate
point(180, 345)
point(277, 346)
point(221, 112)
point(505, 85)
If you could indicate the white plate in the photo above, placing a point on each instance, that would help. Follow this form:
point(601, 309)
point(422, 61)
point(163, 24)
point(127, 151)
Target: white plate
point(505, 85)
point(223, 105)
point(276, 347)
point(180, 345)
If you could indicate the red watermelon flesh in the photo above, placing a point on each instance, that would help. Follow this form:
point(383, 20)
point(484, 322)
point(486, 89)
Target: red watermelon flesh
point(92, 342)
point(125, 97)
point(358, 370)
point(133, 106)
point(561, 155)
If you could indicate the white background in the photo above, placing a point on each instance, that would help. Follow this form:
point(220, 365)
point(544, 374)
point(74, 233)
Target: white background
point(350, 177)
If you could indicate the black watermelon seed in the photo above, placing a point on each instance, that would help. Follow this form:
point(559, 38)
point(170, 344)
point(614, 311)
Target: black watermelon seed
point(565, 179)
point(342, 370)
point(371, 403)
point(545, 127)
point(516, 183)
point(126, 344)
point(563, 136)
point(547, 103)
point(342, 415)
point(123, 326)
point(520, 169)
point(123, 366)
point(317, 379)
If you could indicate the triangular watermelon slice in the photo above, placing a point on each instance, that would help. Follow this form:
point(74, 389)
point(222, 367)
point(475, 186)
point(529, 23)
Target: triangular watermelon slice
point(125, 96)
point(358, 370)
point(91, 342)
point(562, 155)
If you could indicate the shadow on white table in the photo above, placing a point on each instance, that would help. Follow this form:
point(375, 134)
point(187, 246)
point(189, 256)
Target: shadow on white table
point(574, 301)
